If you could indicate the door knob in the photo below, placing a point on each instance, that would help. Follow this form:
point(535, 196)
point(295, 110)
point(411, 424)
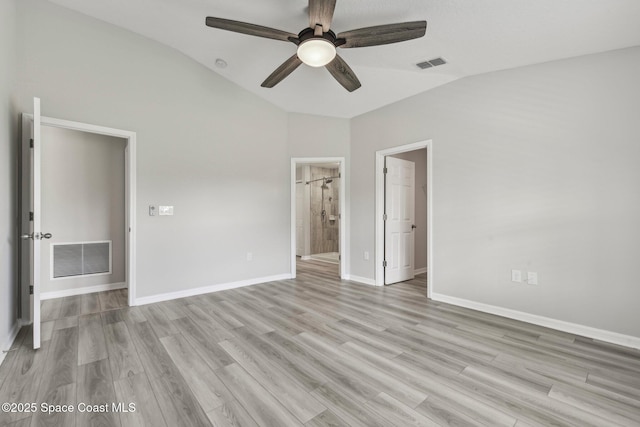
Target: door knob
point(413, 226)
point(37, 236)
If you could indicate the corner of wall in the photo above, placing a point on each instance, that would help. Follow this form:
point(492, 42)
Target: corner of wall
point(9, 323)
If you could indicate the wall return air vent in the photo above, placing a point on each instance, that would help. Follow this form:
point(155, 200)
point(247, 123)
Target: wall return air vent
point(80, 259)
point(431, 63)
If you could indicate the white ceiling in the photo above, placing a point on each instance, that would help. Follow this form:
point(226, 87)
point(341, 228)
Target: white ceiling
point(474, 36)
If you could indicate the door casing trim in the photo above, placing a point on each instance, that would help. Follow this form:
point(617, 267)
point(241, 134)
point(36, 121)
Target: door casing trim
point(130, 187)
point(379, 208)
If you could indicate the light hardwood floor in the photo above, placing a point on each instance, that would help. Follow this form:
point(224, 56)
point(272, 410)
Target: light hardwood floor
point(314, 351)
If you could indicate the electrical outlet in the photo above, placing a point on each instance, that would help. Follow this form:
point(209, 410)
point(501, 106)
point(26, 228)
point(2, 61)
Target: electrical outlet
point(532, 278)
point(152, 210)
point(516, 276)
point(249, 256)
point(366, 256)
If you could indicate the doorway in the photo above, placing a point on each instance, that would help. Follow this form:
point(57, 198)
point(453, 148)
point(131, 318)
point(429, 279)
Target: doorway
point(82, 204)
point(31, 201)
point(317, 219)
point(418, 228)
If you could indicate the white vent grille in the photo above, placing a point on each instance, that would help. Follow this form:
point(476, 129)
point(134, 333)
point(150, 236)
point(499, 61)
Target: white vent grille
point(80, 259)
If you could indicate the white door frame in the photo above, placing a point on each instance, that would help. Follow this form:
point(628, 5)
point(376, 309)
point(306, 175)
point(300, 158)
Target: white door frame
point(130, 187)
point(344, 250)
point(379, 209)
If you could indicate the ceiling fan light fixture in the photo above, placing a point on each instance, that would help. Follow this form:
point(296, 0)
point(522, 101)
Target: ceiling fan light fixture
point(316, 52)
point(317, 43)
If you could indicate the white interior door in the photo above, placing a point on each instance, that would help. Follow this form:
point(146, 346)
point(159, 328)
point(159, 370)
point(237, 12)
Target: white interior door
point(399, 226)
point(32, 225)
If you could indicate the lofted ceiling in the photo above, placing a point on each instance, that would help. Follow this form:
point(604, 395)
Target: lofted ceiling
point(474, 36)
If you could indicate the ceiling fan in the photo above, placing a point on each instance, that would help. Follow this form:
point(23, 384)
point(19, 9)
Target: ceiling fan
point(317, 44)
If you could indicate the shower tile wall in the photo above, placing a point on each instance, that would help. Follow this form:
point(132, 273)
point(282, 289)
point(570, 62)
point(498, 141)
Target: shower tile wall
point(324, 234)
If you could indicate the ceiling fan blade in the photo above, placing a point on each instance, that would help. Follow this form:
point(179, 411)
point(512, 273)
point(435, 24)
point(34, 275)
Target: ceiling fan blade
point(321, 13)
point(282, 71)
point(250, 29)
point(383, 34)
point(343, 74)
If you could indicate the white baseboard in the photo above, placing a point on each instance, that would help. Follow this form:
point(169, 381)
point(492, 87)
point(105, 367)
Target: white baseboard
point(560, 325)
point(82, 291)
point(420, 270)
point(359, 279)
point(8, 342)
point(305, 257)
point(372, 282)
point(208, 289)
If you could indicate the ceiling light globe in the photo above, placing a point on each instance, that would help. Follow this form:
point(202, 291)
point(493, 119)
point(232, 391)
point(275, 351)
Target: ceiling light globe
point(316, 52)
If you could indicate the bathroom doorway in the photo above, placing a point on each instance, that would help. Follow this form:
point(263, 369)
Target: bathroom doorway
point(317, 220)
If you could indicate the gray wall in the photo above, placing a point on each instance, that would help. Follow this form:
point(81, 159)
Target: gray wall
point(419, 157)
point(8, 162)
point(535, 168)
point(82, 199)
point(196, 150)
point(318, 136)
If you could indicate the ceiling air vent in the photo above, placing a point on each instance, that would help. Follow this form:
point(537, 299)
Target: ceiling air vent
point(431, 63)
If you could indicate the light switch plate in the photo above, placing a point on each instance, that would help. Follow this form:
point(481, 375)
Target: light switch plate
point(532, 278)
point(165, 210)
point(516, 276)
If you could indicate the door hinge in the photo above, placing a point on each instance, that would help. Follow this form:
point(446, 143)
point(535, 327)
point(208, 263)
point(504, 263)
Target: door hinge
point(385, 170)
point(384, 263)
point(30, 216)
point(384, 217)
point(30, 290)
point(339, 257)
point(31, 143)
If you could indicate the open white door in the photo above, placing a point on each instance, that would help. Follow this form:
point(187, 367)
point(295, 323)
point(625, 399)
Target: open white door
point(31, 228)
point(399, 225)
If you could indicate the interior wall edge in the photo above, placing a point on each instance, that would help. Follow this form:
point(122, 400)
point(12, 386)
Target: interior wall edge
point(8, 342)
point(547, 322)
point(9, 233)
point(209, 289)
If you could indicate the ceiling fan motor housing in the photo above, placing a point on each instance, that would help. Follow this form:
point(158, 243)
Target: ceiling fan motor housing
point(309, 33)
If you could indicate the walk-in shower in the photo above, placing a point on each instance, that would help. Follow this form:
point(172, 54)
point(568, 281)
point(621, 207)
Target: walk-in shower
point(320, 198)
point(325, 180)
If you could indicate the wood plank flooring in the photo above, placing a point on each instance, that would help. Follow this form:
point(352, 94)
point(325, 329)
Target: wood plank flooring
point(314, 351)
